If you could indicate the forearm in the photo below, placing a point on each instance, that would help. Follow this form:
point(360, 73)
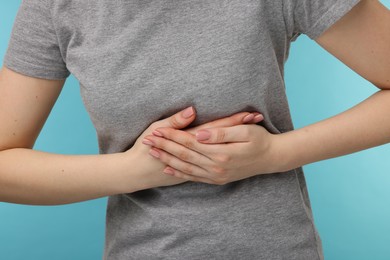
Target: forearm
point(32, 177)
point(363, 126)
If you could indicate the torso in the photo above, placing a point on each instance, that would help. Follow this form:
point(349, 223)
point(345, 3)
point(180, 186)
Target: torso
point(140, 61)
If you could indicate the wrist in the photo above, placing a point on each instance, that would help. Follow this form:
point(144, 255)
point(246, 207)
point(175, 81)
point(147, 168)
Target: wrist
point(285, 153)
point(118, 167)
point(132, 175)
point(140, 171)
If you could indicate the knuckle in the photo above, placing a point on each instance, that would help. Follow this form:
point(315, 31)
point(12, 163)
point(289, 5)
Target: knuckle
point(235, 119)
point(220, 181)
point(159, 143)
point(189, 143)
point(220, 137)
point(219, 170)
point(165, 158)
point(175, 122)
point(245, 131)
point(188, 169)
point(184, 156)
point(231, 120)
point(222, 158)
point(188, 177)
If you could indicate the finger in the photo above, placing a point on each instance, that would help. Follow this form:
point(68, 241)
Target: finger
point(234, 134)
point(178, 174)
point(182, 166)
point(179, 120)
point(179, 151)
point(257, 119)
point(236, 119)
point(183, 138)
point(252, 118)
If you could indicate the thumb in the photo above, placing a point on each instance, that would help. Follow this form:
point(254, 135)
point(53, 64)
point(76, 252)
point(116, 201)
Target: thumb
point(179, 120)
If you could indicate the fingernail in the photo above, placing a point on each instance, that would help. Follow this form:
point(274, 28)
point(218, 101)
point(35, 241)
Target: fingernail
point(157, 133)
point(188, 112)
point(168, 171)
point(147, 142)
point(154, 153)
point(258, 118)
point(248, 118)
point(203, 135)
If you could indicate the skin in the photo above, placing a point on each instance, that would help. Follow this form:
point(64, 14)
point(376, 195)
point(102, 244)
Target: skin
point(32, 177)
point(361, 40)
point(39, 178)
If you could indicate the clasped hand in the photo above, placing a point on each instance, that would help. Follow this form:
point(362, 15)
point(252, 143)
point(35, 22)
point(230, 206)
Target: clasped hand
point(216, 155)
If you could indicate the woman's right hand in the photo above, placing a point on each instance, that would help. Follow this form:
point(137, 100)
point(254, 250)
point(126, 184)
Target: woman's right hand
point(150, 169)
point(52, 179)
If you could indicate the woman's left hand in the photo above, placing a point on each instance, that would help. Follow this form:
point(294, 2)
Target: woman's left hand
point(216, 155)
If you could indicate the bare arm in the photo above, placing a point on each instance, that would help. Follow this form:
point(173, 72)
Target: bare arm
point(32, 177)
point(361, 40)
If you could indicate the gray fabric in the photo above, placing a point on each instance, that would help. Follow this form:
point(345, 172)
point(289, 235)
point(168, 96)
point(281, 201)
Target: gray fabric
point(140, 61)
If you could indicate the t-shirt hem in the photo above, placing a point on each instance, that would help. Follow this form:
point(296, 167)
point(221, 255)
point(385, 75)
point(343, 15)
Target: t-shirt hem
point(33, 70)
point(338, 10)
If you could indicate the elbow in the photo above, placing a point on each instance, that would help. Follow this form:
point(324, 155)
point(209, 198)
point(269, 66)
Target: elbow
point(382, 80)
point(384, 85)
point(15, 145)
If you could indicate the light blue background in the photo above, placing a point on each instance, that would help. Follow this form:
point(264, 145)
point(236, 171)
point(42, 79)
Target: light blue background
point(350, 195)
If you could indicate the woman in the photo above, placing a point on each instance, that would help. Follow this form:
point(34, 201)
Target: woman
point(141, 61)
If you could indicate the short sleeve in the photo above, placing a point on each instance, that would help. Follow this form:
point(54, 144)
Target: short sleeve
point(33, 48)
point(313, 17)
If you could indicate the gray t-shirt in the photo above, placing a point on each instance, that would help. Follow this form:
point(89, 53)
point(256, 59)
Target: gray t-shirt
point(136, 57)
